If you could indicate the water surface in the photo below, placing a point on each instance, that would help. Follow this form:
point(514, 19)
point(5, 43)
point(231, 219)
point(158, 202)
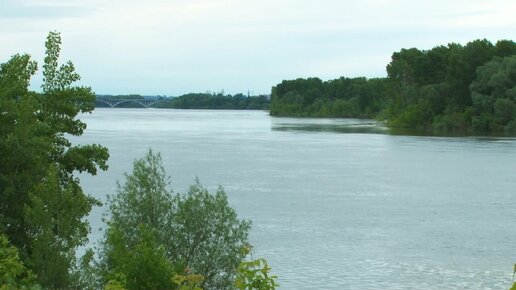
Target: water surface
point(335, 204)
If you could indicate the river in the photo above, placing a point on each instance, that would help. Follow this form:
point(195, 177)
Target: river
point(335, 203)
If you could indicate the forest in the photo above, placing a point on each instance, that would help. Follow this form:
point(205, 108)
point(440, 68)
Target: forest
point(452, 88)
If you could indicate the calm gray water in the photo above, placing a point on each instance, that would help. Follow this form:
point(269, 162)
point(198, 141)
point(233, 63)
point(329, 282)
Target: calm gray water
point(335, 204)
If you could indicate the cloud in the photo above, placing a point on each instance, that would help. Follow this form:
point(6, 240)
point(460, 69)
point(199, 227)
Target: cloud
point(172, 47)
point(34, 10)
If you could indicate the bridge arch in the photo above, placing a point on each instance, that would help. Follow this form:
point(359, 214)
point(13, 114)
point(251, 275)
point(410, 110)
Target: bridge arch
point(113, 103)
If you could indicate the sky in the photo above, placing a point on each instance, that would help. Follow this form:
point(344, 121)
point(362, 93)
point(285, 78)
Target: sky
point(169, 47)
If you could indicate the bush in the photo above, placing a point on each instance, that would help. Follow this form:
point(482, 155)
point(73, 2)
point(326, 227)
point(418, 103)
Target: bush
point(153, 235)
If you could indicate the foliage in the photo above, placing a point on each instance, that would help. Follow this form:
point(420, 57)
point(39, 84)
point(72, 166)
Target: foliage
point(343, 97)
point(207, 100)
point(85, 272)
point(42, 205)
point(494, 95)
point(143, 264)
point(452, 88)
point(153, 235)
point(143, 200)
point(114, 285)
point(138, 231)
point(188, 282)
point(13, 274)
point(447, 88)
point(207, 236)
point(23, 146)
point(254, 274)
point(55, 229)
point(216, 101)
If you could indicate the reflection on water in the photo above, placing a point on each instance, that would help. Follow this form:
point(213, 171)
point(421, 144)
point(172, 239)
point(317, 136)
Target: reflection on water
point(367, 126)
point(329, 125)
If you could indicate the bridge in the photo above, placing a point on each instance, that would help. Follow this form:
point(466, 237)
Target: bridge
point(113, 103)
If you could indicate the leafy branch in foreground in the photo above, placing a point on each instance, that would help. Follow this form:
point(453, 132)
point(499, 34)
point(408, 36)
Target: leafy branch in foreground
point(254, 274)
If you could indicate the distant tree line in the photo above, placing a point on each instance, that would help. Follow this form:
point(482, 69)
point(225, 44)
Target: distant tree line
point(343, 97)
point(218, 101)
point(469, 88)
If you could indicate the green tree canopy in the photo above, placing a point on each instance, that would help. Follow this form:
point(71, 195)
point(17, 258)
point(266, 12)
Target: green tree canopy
point(193, 233)
point(13, 273)
point(440, 88)
point(216, 101)
point(42, 206)
point(343, 97)
point(494, 95)
point(437, 89)
point(208, 237)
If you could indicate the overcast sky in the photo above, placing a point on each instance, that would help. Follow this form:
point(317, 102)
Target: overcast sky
point(171, 47)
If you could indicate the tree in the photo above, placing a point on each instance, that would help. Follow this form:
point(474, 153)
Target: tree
point(208, 237)
point(452, 88)
point(193, 233)
point(56, 225)
point(144, 199)
point(505, 48)
point(22, 146)
point(343, 97)
point(494, 95)
point(13, 274)
point(141, 263)
point(139, 229)
point(42, 205)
